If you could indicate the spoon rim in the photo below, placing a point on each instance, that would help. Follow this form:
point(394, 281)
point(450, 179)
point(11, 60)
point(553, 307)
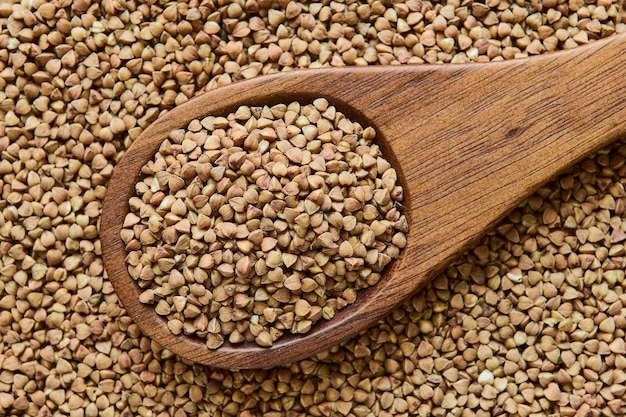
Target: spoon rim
point(190, 346)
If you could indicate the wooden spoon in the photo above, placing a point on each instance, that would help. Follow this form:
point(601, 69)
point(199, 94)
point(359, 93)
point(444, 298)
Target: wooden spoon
point(470, 142)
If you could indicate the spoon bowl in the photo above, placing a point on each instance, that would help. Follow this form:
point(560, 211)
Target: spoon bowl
point(469, 142)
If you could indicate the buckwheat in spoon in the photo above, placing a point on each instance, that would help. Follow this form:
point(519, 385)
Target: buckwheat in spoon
point(270, 219)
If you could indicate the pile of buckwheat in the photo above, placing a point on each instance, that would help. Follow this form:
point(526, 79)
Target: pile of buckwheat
point(262, 222)
point(529, 322)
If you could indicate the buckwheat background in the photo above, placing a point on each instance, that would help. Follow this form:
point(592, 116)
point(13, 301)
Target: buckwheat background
point(530, 321)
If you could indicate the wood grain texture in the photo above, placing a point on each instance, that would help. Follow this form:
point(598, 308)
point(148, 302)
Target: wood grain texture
point(469, 142)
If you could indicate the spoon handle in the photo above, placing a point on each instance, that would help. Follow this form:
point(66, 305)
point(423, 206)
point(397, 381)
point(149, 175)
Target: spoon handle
point(490, 135)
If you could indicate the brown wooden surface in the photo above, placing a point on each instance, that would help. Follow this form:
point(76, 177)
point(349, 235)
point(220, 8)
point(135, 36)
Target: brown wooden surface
point(469, 141)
